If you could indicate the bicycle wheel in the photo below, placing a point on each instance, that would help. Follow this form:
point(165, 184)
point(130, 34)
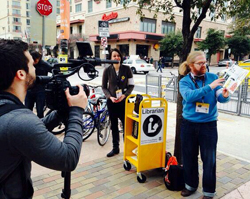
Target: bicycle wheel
point(59, 129)
point(103, 129)
point(88, 125)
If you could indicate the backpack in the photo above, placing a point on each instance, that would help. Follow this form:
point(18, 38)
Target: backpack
point(174, 175)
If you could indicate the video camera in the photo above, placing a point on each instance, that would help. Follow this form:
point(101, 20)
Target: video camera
point(57, 83)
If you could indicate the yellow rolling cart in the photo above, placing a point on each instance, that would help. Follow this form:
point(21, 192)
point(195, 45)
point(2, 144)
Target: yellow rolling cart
point(147, 151)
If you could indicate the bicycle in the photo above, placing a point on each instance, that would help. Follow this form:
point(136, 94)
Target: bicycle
point(98, 119)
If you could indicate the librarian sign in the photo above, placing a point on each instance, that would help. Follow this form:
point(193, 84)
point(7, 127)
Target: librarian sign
point(152, 125)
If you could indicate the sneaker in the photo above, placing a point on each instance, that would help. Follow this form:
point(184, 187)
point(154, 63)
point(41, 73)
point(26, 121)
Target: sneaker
point(186, 193)
point(113, 152)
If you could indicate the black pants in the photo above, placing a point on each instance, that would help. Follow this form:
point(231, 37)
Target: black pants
point(38, 98)
point(116, 110)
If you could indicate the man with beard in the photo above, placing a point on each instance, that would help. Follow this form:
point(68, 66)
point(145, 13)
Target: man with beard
point(23, 136)
point(200, 91)
point(36, 94)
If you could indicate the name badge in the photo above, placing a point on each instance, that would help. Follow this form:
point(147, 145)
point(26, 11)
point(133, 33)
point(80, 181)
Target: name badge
point(118, 93)
point(202, 107)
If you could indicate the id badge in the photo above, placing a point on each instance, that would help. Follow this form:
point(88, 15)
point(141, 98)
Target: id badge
point(118, 93)
point(202, 107)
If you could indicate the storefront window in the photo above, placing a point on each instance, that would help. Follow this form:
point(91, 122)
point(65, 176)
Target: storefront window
point(142, 50)
point(124, 50)
point(148, 25)
point(167, 27)
point(97, 51)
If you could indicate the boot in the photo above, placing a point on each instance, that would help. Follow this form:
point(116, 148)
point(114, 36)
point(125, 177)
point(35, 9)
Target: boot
point(113, 152)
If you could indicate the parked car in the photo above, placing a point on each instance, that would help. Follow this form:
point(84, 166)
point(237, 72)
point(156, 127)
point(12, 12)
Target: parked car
point(225, 62)
point(138, 65)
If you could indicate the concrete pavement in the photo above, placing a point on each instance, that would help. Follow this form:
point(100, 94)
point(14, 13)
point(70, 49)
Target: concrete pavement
point(100, 177)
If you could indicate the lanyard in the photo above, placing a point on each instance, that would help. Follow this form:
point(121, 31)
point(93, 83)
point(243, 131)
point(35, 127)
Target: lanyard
point(197, 86)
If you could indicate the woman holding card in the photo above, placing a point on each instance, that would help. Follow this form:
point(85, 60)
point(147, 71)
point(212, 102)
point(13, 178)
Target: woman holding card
point(117, 84)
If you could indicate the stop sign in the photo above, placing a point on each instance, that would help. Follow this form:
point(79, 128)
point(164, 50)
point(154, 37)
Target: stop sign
point(44, 7)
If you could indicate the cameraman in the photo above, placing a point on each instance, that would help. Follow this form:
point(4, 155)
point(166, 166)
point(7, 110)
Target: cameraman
point(23, 136)
point(36, 94)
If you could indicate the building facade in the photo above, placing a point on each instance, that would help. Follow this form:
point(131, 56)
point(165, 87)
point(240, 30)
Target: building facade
point(128, 33)
point(15, 19)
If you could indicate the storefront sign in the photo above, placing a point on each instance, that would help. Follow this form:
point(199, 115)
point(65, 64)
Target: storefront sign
point(119, 20)
point(113, 15)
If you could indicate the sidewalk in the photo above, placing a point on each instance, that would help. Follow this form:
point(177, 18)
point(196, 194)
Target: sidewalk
point(106, 177)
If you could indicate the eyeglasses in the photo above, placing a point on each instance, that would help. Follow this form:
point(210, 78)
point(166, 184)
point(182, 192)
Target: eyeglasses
point(201, 63)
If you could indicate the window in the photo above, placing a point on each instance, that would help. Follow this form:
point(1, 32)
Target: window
point(16, 12)
point(148, 25)
point(17, 28)
point(78, 7)
point(27, 5)
point(198, 32)
point(126, 2)
point(27, 14)
point(167, 27)
point(108, 3)
point(17, 20)
point(71, 30)
point(28, 21)
point(80, 29)
point(223, 17)
point(16, 3)
point(90, 6)
point(70, 8)
point(58, 3)
point(58, 11)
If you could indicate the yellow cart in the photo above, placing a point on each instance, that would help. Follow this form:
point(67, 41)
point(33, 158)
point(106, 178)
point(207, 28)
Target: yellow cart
point(147, 151)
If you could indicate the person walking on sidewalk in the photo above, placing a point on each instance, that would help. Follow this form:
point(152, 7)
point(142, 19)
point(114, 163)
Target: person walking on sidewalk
point(23, 136)
point(117, 84)
point(200, 91)
point(160, 65)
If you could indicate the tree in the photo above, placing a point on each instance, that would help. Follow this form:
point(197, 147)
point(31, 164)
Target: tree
point(241, 14)
point(171, 45)
point(214, 41)
point(239, 45)
point(193, 14)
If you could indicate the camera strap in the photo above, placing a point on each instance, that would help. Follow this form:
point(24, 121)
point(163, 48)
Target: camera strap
point(6, 108)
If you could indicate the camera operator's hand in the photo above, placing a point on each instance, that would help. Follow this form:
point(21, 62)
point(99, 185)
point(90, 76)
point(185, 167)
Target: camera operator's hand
point(79, 100)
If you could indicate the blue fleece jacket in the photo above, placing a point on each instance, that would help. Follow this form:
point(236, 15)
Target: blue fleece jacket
point(191, 95)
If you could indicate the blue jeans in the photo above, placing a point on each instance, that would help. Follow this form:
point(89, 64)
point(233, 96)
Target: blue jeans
point(203, 136)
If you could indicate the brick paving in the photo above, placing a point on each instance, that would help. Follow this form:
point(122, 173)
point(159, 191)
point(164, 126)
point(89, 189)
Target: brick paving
point(106, 178)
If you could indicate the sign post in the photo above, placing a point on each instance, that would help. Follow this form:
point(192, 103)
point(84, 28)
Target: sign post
point(44, 8)
point(103, 29)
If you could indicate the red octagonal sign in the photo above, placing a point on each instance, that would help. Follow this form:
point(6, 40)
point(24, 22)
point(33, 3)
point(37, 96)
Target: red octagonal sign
point(44, 7)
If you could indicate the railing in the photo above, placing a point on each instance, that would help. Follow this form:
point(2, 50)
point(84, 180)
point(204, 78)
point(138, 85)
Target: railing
point(167, 87)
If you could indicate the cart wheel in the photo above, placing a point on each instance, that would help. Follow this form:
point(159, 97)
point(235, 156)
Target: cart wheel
point(141, 178)
point(126, 165)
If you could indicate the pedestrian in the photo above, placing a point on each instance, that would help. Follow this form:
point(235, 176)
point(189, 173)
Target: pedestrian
point(36, 94)
point(159, 65)
point(151, 60)
point(200, 91)
point(23, 136)
point(117, 84)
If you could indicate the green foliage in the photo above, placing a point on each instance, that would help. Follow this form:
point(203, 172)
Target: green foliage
point(213, 42)
point(172, 44)
point(239, 45)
